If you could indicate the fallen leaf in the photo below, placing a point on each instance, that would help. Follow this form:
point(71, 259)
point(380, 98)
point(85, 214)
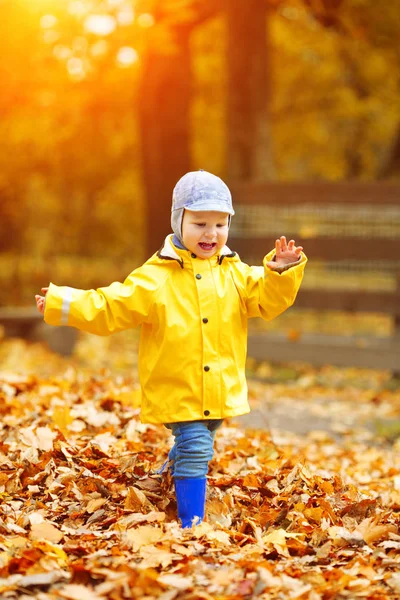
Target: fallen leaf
point(75, 591)
point(177, 581)
point(45, 531)
point(277, 539)
point(135, 500)
point(95, 504)
point(142, 536)
point(43, 579)
point(371, 531)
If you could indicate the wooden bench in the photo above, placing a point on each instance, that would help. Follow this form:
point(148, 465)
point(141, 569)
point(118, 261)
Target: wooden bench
point(345, 224)
point(27, 323)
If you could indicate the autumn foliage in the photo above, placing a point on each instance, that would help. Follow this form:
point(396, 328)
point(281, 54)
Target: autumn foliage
point(72, 184)
point(83, 515)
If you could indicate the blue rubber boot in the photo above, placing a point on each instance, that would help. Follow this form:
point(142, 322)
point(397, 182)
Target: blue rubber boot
point(191, 499)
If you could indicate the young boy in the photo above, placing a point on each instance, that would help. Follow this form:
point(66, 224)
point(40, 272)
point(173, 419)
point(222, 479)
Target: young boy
point(192, 299)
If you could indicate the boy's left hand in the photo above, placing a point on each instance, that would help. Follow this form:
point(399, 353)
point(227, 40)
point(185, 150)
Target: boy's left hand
point(285, 253)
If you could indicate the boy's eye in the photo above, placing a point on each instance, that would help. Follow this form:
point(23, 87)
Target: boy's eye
point(204, 224)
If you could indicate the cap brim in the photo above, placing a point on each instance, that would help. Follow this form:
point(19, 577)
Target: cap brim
point(200, 206)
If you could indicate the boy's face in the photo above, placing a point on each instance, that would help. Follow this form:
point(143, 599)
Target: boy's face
point(205, 232)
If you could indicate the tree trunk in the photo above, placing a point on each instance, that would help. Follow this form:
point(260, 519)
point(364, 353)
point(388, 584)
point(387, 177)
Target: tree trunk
point(391, 164)
point(249, 74)
point(164, 108)
point(164, 101)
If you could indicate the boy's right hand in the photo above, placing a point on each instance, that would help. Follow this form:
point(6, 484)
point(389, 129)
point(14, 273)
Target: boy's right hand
point(41, 300)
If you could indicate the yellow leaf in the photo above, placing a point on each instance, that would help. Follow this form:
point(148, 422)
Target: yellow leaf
point(62, 418)
point(314, 514)
point(76, 591)
point(45, 531)
point(52, 550)
point(45, 438)
point(176, 581)
point(251, 481)
point(94, 504)
point(135, 500)
point(155, 557)
point(142, 536)
point(277, 539)
point(372, 532)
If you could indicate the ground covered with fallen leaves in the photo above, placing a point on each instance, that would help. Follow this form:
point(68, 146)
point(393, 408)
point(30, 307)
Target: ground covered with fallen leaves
point(83, 516)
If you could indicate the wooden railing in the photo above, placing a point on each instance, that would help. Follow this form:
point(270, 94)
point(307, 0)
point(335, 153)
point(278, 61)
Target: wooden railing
point(337, 234)
point(329, 220)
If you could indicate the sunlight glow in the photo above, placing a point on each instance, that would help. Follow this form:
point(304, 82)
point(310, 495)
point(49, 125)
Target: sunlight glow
point(100, 24)
point(75, 68)
point(80, 45)
point(126, 15)
point(127, 56)
point(48, 21)
point(78, 8)
point(99, 48)
point(62, 52)
point(50, 37)
point(146, 20)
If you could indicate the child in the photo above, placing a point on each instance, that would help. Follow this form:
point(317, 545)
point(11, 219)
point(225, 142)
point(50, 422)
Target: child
point(193, 299)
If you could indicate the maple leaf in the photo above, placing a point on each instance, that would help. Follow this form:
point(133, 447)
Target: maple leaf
point(277, 539)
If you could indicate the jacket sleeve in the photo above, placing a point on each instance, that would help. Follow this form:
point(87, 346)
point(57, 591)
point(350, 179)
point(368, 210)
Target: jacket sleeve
point(105, 310)
point(269, 293)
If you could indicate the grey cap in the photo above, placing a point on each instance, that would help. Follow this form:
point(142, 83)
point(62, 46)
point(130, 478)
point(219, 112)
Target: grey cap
point(200, 190)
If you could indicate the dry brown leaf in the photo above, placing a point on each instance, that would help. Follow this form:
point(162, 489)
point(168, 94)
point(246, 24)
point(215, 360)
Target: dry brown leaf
point(136, 500)
point(177, 581)
point(303, 506)
point(277, 540)
point(142, 536)
point(45, 531)
point(75, 591)
point(43, 579)
point(95, 504)
point(373, 532)
point(156, 557)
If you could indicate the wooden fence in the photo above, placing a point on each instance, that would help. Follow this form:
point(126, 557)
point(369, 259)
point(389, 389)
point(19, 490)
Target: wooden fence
point(348, 227)
point(343, 226)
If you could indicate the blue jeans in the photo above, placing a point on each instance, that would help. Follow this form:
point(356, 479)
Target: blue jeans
point(193, 448)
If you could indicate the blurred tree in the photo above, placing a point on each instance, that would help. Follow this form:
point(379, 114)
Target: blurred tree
point(365, 30)
point(165, 98)
point(99, 98)
point(250, 155)
point(335, 105)
point(164, 102)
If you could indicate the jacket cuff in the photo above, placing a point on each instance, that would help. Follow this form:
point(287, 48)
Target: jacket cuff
point(56, 307)
point(285, 267)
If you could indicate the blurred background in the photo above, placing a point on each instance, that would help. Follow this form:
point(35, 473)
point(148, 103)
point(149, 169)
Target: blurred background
point(105, 104)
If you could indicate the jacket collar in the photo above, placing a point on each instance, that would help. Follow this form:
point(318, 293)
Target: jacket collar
point(169, 251)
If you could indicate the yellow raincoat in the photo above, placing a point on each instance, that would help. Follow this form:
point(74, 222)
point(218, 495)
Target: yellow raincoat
point(193, 314)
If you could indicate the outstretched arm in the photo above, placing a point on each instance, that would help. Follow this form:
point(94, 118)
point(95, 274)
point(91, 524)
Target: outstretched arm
point(105, 310)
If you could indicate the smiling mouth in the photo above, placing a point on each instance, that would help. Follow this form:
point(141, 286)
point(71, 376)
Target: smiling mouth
point(207, 247)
